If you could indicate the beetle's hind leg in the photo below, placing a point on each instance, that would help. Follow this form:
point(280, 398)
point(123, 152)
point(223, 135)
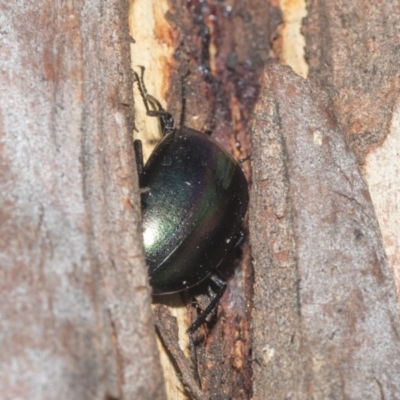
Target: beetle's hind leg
point(221, 284)
point(216, 297)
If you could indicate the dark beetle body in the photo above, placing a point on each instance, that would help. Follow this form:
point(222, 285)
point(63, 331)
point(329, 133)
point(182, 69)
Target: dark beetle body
point(194, 199)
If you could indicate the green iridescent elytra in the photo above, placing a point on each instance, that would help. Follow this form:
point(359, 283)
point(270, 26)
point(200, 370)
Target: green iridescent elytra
point(195, 197)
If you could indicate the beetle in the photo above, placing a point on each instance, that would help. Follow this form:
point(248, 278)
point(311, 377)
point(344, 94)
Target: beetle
point(194, 197)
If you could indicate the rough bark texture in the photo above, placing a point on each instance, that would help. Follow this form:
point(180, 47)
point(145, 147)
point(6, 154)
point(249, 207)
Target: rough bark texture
point(353, 51)
point(352, 48)
point(325, 320)
point(75, 310)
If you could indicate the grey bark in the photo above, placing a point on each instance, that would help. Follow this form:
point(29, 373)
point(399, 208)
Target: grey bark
point(352, 49)
point(75, 311)
point(325, 321)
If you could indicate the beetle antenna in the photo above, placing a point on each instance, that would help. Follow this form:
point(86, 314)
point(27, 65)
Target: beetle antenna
point(166, 119)
point(142, 89)
point(141, 81)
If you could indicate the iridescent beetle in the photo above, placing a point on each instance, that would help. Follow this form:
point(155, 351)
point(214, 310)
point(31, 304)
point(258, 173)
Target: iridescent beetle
point(194, 199)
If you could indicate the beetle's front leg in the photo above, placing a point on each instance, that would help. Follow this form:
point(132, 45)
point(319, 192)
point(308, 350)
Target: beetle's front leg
point(137, 145)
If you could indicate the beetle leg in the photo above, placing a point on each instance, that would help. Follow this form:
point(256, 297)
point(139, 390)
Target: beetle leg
point(242, 160)
point(221, 284)
point(166, 120)
point(211, 295)
point(213, 303)
point(137, 145)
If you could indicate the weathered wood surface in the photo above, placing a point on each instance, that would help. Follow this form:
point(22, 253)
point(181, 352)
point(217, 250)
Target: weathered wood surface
point(325, 320)
point(75, 310)
point(353, 53)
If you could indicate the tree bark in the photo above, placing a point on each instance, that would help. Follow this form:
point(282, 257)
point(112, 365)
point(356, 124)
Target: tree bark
point(76, 318)
point(75, 311)
point(352, 50)
point(325, 319)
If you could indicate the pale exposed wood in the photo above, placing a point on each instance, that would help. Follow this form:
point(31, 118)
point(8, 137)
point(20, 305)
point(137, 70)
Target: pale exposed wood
point(291, 51)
